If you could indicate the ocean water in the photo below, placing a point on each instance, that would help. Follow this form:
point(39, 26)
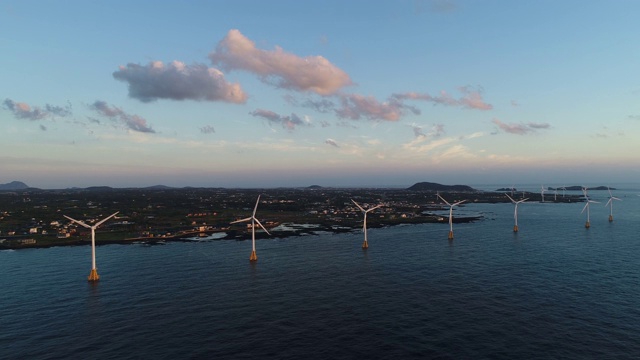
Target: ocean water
point(553, 290)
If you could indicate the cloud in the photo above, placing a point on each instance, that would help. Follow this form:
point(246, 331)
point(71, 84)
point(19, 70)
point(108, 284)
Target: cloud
point(634, 117)
point(208, 129)
point(435, 131)
point(24, 111)
point(332, 143)
point(132, 122)
point(285, 70)
point(177, 81)
point(354, 106)
point(287, 122)
point(471, 98)
point(520, 129)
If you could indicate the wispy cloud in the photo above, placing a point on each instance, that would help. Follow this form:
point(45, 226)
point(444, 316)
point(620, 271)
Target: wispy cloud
point(177, 81)
point(332, 143)
point(132, 122)
point(520, 129)
point(355, 106)
point(24, 111)
point(208, 129)
point(283, 69)
point(287, 122)
point(471, 98)
point(435, 131)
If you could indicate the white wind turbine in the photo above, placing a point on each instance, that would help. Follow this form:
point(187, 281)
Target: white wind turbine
point(542, 191)
point(515, 212)
point(564, 188)
point(586, 207)
point(610, 204)
point(450, 214)
point(365, 245)
point(254, 220)
point(93, 276)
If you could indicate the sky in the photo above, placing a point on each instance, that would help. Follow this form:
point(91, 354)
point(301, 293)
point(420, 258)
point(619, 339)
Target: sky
point(358, 93)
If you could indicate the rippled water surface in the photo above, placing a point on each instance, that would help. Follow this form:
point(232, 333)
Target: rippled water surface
point(553, 290)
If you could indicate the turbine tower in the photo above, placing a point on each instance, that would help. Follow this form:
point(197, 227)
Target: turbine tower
point(254, 220)
point(515, 212)
point(365, 245)
point(450, 214)
point(542, 191)
point(93, 275)
point(586, 207)
point(610, 204)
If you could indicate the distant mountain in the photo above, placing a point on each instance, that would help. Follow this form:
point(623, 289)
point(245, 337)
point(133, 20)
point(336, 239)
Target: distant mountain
point(314, 187)
point(427, 186)
point(14, 185)
point(158, 187)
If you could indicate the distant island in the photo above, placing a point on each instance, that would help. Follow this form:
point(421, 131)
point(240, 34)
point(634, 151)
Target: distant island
point(429, 186)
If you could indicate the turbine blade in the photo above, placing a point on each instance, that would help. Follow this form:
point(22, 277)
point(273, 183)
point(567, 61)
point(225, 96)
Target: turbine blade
point(445, 201)
point(263, 228)
point(78, 222)
point(373, 208)
point(256, 207)
point(241, 220)
point(105, 219)
point(510, 198)
point(458, 203)
point(358, 205)
point(585, 207)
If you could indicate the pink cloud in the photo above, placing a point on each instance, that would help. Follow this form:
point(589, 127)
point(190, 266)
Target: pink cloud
point(311, 73)
point(288, 122)
point(355, 106)
point(133, 122)
point(177, 81)
point(471, 98)
point(520, 129)
point(24, 111)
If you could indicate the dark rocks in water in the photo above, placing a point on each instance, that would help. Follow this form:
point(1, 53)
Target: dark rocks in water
point(427, 186)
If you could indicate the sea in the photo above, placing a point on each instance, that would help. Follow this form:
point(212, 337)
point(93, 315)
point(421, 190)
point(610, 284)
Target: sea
point(553, 290)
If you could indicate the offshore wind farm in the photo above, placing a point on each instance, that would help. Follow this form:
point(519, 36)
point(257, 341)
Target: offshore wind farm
point(161, 141)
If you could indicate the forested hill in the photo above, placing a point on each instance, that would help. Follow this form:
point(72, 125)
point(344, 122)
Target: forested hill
point(428, 186)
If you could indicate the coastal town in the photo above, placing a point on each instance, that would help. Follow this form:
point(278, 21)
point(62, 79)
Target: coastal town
point(39, 218)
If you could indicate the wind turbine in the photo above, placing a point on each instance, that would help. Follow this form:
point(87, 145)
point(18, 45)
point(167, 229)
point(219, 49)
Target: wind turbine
point(515, 212)
point(450, 214)
point(586, 207)
point(610, 204)
point(555, 194)
point(93, 276)
point(365, 245)
point(564, 188)
point(254, 220)
point(542, 191)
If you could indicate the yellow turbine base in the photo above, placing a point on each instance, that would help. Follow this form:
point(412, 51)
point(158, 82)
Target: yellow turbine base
point(610, 218)
point(253, 256)
point(93, 276)
point(365, 245)
point(450, 235)
point(587, 225)
point(515, 228)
